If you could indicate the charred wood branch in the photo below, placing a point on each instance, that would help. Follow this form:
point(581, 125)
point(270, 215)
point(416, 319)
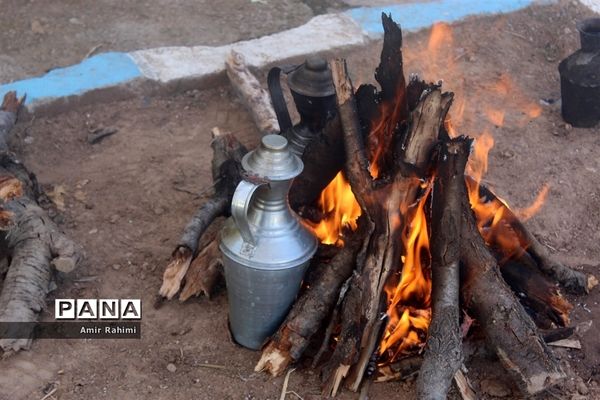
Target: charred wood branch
point(227, 173)
point(345, 353)
point(33, 241)
point(309, 311)
point(443, 354)
point(384, 113)
point(426, 120)
point(401, 369)
point(552, 335)
point(357, 165)
point(384, 256)
point(574, 281)
point(333, 321)
point(256, 99)
point(508, 329)
point(536, 292)
point(381, 204)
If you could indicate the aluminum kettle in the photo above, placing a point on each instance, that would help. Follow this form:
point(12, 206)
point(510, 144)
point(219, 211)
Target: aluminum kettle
point(266, 249)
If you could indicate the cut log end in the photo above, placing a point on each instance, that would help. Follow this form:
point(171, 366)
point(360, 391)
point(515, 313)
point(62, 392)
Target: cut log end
point(273, 360)
point(10, 187)
point(175, 272)
point(203, 273)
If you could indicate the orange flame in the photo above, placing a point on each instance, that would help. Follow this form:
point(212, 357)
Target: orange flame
point(340, 209)
point(496, 117)
point(441, 35)
point(409, 300)
point(491, 215)
point(506, 90)
point(409, 293)
point(528, 212)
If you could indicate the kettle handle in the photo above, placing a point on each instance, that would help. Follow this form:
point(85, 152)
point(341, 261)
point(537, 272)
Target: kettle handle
point(274, 83)
point(240, 203)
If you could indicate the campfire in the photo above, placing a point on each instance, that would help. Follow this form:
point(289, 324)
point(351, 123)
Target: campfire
point(414, 247)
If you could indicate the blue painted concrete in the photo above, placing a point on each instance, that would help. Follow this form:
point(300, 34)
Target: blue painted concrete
point(112, 69)
point(102, 70)
point(414, 16)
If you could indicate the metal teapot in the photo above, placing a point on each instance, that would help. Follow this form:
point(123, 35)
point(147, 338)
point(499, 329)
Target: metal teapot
point(266, 249)
point(313, 92)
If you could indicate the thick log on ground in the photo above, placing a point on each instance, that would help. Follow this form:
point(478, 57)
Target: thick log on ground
point(33, 242)
point(509, 331)
point(537, 293)
point(443, 352)
point(227, 172)
point(312, 307)
point(256, 99)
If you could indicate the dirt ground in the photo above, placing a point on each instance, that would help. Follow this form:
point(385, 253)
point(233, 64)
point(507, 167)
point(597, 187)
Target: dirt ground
point(41, 35)
point(128, 197)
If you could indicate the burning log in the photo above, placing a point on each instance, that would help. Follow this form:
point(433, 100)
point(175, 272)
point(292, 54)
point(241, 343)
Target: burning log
point(537, 293)
point(226, 172)
point(501, 316)
point(574, 281)
point(443, 352)
point(323, 282)
point(382, 203)
point(32, 241)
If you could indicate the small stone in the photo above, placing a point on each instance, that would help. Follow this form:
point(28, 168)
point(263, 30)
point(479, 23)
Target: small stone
point(114, 218)
point(568, 127)
point(37, 28)
point(80, 195)
point(116, 267)
point(75, 21)
point(93, 231)
point(582, 388)
point(495, 388)
point(28, 139)
point(171, 367)
point(159, 211)
point(82, 183)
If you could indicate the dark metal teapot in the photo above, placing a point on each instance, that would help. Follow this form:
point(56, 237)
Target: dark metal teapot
point(580, 78)
point(312, 89)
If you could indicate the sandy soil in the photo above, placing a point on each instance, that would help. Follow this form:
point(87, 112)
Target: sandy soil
point(128, 197)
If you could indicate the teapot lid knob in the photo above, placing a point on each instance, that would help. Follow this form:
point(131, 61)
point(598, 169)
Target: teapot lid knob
point(312, 79)
point(273, 160)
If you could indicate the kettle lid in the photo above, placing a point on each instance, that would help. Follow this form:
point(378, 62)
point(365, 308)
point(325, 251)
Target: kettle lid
point(273, 159)
point(313, 78)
